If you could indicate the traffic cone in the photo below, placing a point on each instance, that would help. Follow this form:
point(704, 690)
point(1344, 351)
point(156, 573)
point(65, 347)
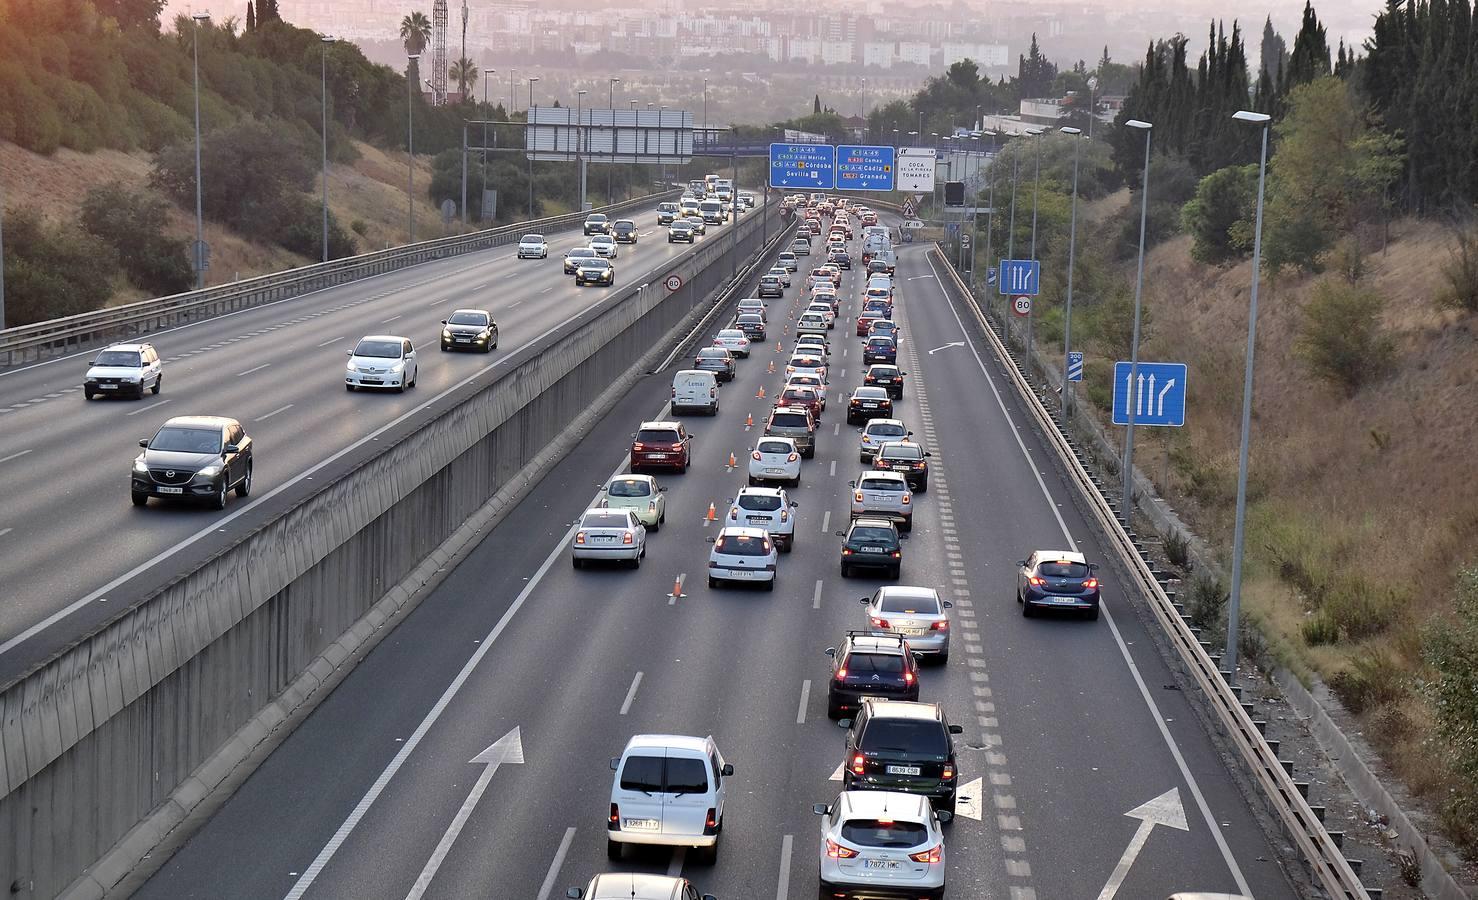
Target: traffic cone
point(732, 461)
point(760, 394)
point(712, 514)
point(677, 588)
point(772, 367)
point(749, 421)
point(778, 348)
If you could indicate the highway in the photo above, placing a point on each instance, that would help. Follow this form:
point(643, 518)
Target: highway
point(1069, 725)
point(72, 547)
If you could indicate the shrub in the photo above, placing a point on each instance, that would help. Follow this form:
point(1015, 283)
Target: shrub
point(1461, 268)
point(52, 271)
point(1319, 629)
point(1341, 338)
point(1450, 649)
point(1206, 603)
point(1371, 681)
point(133, 224)
point(1178, 551)
point(1223, 199)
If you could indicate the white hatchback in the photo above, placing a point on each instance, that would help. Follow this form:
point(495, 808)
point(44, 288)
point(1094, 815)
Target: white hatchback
point(775, 459)
point(381, 361)
point(811, 320)
point(609, 534)
point(741, 553)
point(882, 841)
point(802, 364)
point(668, 791)
point(768, 508)
point(734, 341)
point(532, 246)
point(823, 308)
point(883, 495)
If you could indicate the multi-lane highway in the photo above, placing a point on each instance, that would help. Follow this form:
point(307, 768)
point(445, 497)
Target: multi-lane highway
point(1087, 777)
point(72, 548)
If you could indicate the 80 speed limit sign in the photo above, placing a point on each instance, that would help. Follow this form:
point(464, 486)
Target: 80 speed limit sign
point(1022, 306)
point(673, 282)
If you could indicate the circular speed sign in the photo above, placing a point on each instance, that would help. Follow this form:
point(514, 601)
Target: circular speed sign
point(673, 282)
point(1022, 306)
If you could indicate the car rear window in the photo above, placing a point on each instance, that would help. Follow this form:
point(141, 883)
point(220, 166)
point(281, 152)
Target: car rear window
point(788, 420)
point(924, 606)
point(686, 776)
point(908, 735)
point(629, 487)
point(657, 436)
point(868, 535)
point(642, 773)
point(870, 393)
point(774, 447)
point(580, 253)
point(741, 545)
point(762, 502)
point(874, 663)
point(873, 833)
point(882, 485)
point(886, 430)
point(1063, 570)
point(903, 452)
point(880, 342)
point(605, 520)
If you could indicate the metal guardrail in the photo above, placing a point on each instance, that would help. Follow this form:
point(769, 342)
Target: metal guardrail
point(1330, 868)
point(40, 340)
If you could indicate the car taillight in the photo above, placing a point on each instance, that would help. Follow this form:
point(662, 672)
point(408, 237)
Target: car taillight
point(639, 446)
point(932, 855)
point(1091, 583)
point(756, 456)
point(674, 392)
point(908, 677)
point(857, 496)
point(842, 674)
point(628, 538)
point(712, 392)
point(859, 764)
point(1035, 580)
point(734, 514)
point(907, 498)
point(879, 623)
point(897, 554)
point(615, 819)
point(710, 822)
point(579, 537)
point(785, 515)
point(792, 457)
point(949, 773)
point(846, 551)
point(652, 505)
point(837, 851)
point(941, 625)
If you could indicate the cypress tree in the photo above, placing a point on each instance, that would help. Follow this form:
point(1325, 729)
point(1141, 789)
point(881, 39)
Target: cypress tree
point(1310, 56)
point(816, 105)
point(1274, 51)
point(251, 17)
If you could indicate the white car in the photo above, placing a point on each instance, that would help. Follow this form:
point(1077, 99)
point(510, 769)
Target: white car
point(752, 305)
point(381, 361)
point(741, 553)
point(668, 791)
point(878, 432)
point(814, 339)
point(809, 349)
point(806, 365)
point(532, 246)
point(609, 534)
point(124, 369)
point(734, 341)
point(604, 246)
point(781, 273)
point(823, 307)
point(637, 886)
point(882, 841)
point(883, 495)
point(916, 614)
point(811, 320)
point(775, 459)
point(788, 262)
point(768, 508)
point(811, 381)
point(639, 493)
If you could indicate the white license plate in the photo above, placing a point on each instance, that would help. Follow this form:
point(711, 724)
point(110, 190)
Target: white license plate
point(640, 824)
point(658, 455)
point(739, 573)
point(872, 549)
point(1064, 599)
point(903, 770)
point(604, 540)
point(462, 340)
point(869, 406)
point(913, 632)
point(888, 864)
point(757, 520)
point(171, 490)
point(774, 471)
point(107, 387)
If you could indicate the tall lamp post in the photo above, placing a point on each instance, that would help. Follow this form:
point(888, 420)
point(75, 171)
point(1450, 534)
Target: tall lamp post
point(325, 41)
point(2, 257)
point(410, 146)
point(199, 254)
point(990, 218)
point(1127, 508)
point(529, 123)
point(1072, 248)
point(610, 168)
point(580, 141)
point(1234, 602)
point(1036, 182)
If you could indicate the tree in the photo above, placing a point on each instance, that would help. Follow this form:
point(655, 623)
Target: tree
point(52, 271)
point(463, 72)
point(132, 14)
point(415, 34)
point(1216, 218)
point(133, 223)
point(1034, 72)
point(1273, 52)
point(1310, 57)
point(267, 12)
point(816, 106)
point(1341, 338)
point(251, 17)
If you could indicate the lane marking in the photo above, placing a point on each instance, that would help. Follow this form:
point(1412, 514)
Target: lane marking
point(5, 531)
point(257, 369)
point(826, 522)
point(782, 889)
point(833, 468)
point(837, 428)
point(816, 596)
point(3, 647)
point(630, 694)
point(547, 290)
point(675, 868)
point(391, 319)
point(554, 866)
point(800, 713)
point(7, 459)
point(441, 300)
point(269, 415)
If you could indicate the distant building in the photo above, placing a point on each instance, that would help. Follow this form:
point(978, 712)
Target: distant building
point(836, 52)
point(915, 52)
point(856, 127)
point(878, 53)
point(1042, 111)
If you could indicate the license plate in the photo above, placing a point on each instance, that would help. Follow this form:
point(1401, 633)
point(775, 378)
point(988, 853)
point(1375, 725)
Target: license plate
point(913, 632)
point(107, 387)
point(761, 520)
point(639, 824)
point(869, 406)
point(1064, 599)
point(774, 471)
point(462, 340)
point(888, 864)
point(903, 770)
point(658, 455)
point(739, 573)
point(872, 549)
point(171, 490)
point(604, 540)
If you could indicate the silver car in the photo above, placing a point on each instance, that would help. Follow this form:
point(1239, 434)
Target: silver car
point(883, 495)
point(768, 508)
point(915, 613)
point(878, 432)
point(609, 534)
point(716, 360)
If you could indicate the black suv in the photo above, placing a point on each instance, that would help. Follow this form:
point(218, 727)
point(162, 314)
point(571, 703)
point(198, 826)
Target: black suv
point(870, 665)
point(202, 457)
point(871, 543)
point(895, 745)
point(597, 223)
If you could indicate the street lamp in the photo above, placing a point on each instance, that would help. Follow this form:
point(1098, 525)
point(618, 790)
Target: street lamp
point(1127, 507)
point(1072, 247)
point(528, 124)
point(580, 141)
point(1036, 182)
point(864, 97)
point(410, 147)
point(610, 168)
point(325, 41)
point(705, 112)
point(199, 214)
point(1234, 601)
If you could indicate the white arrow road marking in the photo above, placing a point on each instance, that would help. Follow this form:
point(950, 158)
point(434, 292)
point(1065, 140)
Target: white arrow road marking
point(507, 749)
point(947, 346)
point(968, 799)
point(836, 775)
point(1163, 810)
point(1163, 391)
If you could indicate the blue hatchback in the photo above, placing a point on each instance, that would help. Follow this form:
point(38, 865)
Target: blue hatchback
point(879, 349)
point(1057, 579)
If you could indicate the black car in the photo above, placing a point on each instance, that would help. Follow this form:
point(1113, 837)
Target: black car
point(886, 376)
point(840, 258)
point(469, 329)
point(1057, 579)
point(680, 231)
point(597, 223)
point(868, 403)
point(752, 324)
point(880, 349)
point(871, 543)
point(201, 457)
point(897, 745)
point(624, 231)
point(906, 458)
point(869, 665)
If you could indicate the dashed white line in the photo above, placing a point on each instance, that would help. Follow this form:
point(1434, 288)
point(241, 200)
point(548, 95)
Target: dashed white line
point(149, 407)
point(331, 341)
point(630, 694)
point(816, 596)
point(5, 531)
point(6, 459)
point(837, 428)
point(389, 320)
point(274, 412)
point(437, 302)
point(826, 522)
point(782, 889)
point(675, 868)
point(800, 712)
point(833, 468)
point(250, 371)
point(554, 866)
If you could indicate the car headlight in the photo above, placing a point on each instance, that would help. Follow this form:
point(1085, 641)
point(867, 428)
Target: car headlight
point(446, 334)
point(210, 471)
point(398, 367)
point(349, 367)
point(139, 466)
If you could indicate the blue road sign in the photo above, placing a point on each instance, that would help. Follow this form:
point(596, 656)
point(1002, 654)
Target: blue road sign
point(1075, 365)
point(864, 168)
point(990, 275)
point(1158, 394)
point(808, 166)
point(1021, 277)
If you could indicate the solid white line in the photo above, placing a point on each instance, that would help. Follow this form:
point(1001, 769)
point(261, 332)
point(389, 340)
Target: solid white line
point(7, 459)
point(249, 371)
point(134, 413)
point(675, 868)
point(630, 694)
point(391, 319)
point(331, 341)
point(782, 889)
point(271, 414)
point(5, 531)
point(816, 596)
point(1185, 771)
point(800, 713)
point(554, 866)
point(826, 522)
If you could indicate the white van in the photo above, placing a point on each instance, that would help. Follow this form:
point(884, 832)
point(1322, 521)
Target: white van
point(713, 212)
point(869, 231)
point(692, 389)
point(668, 791)
point(888, 258)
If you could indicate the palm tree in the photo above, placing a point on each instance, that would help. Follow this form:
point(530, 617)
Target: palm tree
point(463, 72)
point(415, 32)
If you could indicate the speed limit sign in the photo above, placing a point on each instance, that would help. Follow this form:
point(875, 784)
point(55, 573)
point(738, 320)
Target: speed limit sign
point(965, 239)
point(1023, 306)
point(674, 282)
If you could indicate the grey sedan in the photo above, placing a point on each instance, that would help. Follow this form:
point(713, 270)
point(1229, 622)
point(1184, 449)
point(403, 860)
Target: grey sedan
point(914, 613)
point(716, 360)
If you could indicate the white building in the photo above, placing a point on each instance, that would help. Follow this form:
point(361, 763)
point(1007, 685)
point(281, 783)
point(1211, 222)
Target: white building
point(985, 55)
point(803, 50)
point(916, 52)
point(878, 53)
point(836, 52)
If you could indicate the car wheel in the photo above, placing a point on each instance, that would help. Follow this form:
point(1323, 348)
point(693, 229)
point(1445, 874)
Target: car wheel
point(655, 526)
point(218, 501)
point(139, 499)
point(1092, 614)
point(576, 562)
point(833, 711)
point(712, 582)
point(243, 488)
point(400, 388)
point(87, 393)
point(846, 571)
point(752, 481)
point(1027, 611)
point(862, 458)
point(770, 585)
point(908, 524)
point(613, 849)
point(796, 481)
point(158, 384)
point(809, 453)
point(349, 387)
point(924, 486)
point(789, 545)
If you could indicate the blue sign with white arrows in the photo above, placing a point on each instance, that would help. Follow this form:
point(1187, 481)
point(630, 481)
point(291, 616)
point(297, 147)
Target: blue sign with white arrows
point(864, 168)
point(1075, 365)
point(1020, 277)
point(808, 166)
point(1157, 394)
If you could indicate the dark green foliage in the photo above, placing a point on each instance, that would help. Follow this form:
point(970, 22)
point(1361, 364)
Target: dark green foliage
point(251, 17)
point(1461, 268)
point(1172, 184)
point(1218, 218)
point(1450, 650)
point(1373, 680)
point(1206, 603)
point(1341, 338)
point(133, 224)
point(1035, 73)
point(267, 12)
point(1273, 51)
point(1309, 58)
point(52, 270)
point(131, 14)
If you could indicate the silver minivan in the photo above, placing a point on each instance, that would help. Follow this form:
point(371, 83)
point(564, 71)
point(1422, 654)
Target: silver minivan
point(695, 390)
point(668, 791)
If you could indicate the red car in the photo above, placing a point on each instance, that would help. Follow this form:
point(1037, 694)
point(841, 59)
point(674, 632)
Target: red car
point(802, 396)
point(864, 321)
point(661, 445)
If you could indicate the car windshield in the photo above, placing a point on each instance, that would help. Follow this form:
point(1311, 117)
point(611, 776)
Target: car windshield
point(187, 440)
point(910, 735)
point(604, 520)
point(761, 502)
point(465, 318)
point(686, 776)
point(774, 447)
point(871, 534)
point(532, 239)
point(742, 545)
point(1063, 570)
point(904, 452)
point(379, 349)
point(580, 253)
point(119, 358)
point(731, 334)
point(625, 226)
point(595, 264)
point(889, 430)
point(874, 663)
point(788, 420)
point(657, 436)
point(595, 217)
point(642, 773)
point(629, 487)
point(924, 606)
point(887, 485)
point(875, 833)
point(713, 353)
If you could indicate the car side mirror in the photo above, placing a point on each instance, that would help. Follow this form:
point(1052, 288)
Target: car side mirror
point(902, 373)
point(711, 539)
point(615, 763)
point(443, 321)
point(662, 490)
point(1021, 562)
point(144, 442)
point(1092, 567)
point(928, 453)
point(348, 352)
point(851, 484)
point(918, 657)
point(841, 534)
point(832, 652)
point(794, 505)
point(820, 809)
point(231, 448)
point(904, 536)
point(577, 893)
point(956, 729)
point(944, 815)
point(727, 770)
point(864, 600)
point(948, 605)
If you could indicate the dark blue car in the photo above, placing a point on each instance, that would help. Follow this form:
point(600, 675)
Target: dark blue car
point(1057, 579)
point(879, 349)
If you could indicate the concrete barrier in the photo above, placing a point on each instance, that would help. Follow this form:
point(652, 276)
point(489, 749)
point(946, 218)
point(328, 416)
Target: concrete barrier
point(116, 739)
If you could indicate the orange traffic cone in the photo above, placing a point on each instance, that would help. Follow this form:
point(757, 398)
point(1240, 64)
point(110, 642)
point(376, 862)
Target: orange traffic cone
point(778, 348)
point(760, 394)
point(749, 421)
point(732, 461)
point(772, 367)
point(712, 514)
point(677, 588)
